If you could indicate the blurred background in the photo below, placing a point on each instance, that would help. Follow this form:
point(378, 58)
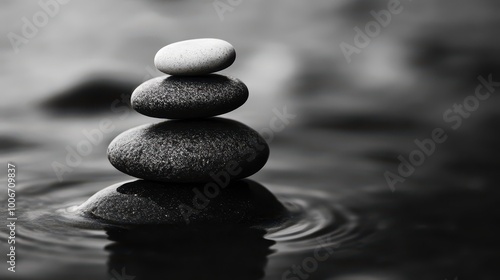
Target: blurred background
point(364, 80)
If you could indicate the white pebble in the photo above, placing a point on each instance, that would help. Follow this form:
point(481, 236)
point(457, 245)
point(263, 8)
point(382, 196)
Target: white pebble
point(195, 57)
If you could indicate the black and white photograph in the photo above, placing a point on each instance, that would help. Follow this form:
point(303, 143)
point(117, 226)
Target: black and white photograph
point(249, 140)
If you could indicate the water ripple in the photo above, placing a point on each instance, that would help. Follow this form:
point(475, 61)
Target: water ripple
point(317, 219)
point(50, 225)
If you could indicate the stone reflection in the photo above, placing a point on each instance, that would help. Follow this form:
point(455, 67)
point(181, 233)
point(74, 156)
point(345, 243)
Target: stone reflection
point(222, 252)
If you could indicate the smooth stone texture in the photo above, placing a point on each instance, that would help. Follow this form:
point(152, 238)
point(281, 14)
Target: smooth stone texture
point(189, 151)
point(144, 202)
point(195, 57)
point(175, 97)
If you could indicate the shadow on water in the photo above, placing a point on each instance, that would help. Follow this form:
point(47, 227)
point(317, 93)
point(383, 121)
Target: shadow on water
point(232, 252)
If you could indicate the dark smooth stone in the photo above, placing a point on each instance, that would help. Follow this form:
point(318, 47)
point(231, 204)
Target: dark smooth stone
point(189, 151)
point(177, 97)
point(144, 202)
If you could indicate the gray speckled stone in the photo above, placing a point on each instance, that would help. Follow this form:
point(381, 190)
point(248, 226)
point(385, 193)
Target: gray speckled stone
point(189, 150)
point(174, 97)
point(143, 202)
point(195, 57)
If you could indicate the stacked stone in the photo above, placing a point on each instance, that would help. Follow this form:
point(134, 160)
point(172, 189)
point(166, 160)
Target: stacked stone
point(191, 165)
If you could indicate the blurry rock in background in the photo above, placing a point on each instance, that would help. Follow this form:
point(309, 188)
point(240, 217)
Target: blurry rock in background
point(92, 96)
point(12, 144)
